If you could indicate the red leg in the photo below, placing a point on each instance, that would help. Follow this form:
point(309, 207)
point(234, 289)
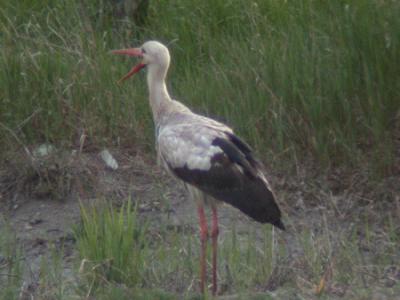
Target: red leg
point(214, 236)
point(203, 239)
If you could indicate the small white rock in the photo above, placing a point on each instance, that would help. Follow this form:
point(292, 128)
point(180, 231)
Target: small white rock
point(109, 159)
point(43, 150)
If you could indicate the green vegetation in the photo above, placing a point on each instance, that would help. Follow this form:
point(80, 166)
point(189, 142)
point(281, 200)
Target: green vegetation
point(119, 257)
point(293, 77)
point(161, 257)
point(316, 80)
point(111, 245)
point(10, 262)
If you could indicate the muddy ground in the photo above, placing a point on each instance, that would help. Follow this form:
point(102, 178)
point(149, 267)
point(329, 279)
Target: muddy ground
point(41, 198)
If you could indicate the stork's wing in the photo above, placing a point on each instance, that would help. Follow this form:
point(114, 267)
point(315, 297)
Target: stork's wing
point(221, 165)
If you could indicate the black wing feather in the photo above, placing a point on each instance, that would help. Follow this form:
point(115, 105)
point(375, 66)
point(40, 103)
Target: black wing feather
point(245, 149)
point(241, 186)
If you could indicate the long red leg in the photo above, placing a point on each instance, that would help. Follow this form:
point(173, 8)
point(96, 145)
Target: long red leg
point(203, 239)
point(214, 236)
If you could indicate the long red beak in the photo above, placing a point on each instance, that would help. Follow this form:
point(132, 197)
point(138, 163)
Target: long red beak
point(137, 52)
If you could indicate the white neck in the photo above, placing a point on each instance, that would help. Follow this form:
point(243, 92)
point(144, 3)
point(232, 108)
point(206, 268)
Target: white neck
point(158, 92)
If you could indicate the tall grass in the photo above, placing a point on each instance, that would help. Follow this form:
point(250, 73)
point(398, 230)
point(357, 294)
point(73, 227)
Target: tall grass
point(56, 73)
point(294, 77)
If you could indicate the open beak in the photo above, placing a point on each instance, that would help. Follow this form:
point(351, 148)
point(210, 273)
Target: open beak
point(137, 52)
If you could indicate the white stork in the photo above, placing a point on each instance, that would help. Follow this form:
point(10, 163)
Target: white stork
point(212, 162)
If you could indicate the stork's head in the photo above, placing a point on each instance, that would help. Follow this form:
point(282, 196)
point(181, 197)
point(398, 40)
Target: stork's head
point(152, 53)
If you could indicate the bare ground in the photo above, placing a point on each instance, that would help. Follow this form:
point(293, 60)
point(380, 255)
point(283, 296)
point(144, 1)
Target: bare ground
point(40, 198)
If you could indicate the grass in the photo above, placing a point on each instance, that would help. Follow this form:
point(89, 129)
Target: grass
point(120, 255)
point(10, 262)
point(300, 80)
point(321, 262)
point(55, 279)
point(294, 78)
point(111, 245)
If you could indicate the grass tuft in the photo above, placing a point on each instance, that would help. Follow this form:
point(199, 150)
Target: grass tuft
point(111, 245)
